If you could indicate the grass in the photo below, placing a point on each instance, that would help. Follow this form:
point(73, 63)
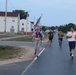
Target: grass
point(29, 39)
point(8, 52)
point(9, 35)
point(3, 36)
point(26, 39)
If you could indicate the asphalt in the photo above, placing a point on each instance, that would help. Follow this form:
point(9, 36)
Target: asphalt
point(54, 60)
point(17, 43)
point(14, 68)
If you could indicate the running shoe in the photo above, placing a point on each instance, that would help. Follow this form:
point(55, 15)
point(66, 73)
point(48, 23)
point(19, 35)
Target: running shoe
point(72, 56)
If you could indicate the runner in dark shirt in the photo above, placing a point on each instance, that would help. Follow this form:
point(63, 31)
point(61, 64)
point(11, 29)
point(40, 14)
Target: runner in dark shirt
point(50, 37)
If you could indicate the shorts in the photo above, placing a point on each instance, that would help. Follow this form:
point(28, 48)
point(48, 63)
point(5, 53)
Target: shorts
point(61, 39)
point(72, 44)
point(50, 38)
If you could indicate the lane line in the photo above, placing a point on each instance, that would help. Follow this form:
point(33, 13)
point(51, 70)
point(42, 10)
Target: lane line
point(32, 62)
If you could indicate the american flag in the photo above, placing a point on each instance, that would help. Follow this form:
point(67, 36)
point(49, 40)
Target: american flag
point(37, 23)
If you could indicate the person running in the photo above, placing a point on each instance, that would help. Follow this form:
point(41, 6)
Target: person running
point(41, 36)
point(37, 35)
point(60, 37)
point(50, 37)
point(71, 39)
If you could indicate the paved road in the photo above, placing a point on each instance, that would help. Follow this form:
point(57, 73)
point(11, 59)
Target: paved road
point(55, 60)
point(14, 68)
point(15, 43)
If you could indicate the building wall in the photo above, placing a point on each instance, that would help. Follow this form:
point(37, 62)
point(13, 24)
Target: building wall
point(11, 22)
point(2, 24)
point(26, 25)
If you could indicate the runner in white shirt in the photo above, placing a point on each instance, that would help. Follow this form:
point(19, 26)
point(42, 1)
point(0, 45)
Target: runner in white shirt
point(71, 39)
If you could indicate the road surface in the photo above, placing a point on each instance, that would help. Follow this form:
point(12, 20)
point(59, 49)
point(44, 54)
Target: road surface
point(54, 60)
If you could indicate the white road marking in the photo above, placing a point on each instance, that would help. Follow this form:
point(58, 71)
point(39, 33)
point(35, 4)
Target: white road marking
point(32, 62)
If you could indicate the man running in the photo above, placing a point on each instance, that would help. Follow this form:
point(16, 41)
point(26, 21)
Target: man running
point(71, 39)
point(60, 37)
point(50, 37)
point(41, 36)
point(37, 35)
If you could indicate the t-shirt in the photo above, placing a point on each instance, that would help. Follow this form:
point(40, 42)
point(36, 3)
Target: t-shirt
point(71, 34)
point(38, 35)
point(60, 35)
point(50, 34)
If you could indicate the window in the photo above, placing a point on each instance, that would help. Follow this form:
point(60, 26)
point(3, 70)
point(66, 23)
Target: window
point(22, 23)
point(13, 20)
point(22, 29)
point(12, 27)
point(4, 19)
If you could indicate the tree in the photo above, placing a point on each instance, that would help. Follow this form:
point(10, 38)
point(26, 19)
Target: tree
point(43, 28)
point(23, 14)
point(53, 28)
point(66, 27)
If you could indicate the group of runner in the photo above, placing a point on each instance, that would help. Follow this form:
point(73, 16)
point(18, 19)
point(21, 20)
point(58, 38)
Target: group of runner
point(71, 37)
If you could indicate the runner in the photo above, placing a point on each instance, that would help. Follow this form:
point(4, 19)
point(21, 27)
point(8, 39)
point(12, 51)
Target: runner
point(60, 37)
point(37, 35)
point(41, 36)
point(50, 37)
point(71, 39)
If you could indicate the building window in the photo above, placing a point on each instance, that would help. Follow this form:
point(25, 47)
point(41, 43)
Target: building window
point(12, 27)
point(22, 23)
point(22, 29)
point(13, 20)
point(31, 29)
point(4, 19)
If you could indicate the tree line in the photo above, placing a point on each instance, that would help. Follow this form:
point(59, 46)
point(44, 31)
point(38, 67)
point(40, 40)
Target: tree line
point(63, 28)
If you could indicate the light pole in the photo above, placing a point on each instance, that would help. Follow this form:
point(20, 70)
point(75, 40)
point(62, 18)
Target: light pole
point(5, 17)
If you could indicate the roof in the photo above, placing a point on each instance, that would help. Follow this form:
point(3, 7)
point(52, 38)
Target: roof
point(10, 14)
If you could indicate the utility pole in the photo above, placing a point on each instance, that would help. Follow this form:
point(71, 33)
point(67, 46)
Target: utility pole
point(5, 17)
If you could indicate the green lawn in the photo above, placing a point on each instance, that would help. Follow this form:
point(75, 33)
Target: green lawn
point(9, 35)
point(3, 36)
point(26, 39)
point(8, 52)
point(29, 39)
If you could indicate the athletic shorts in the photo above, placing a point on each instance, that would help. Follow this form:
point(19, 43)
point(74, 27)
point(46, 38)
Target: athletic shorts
point(61, 39)
point(72, 44)
point(50, 38)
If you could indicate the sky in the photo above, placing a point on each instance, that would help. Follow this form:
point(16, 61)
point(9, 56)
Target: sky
point(55, 12)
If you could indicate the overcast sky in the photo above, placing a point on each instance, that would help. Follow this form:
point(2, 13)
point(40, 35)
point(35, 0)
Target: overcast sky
point(55, 12)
